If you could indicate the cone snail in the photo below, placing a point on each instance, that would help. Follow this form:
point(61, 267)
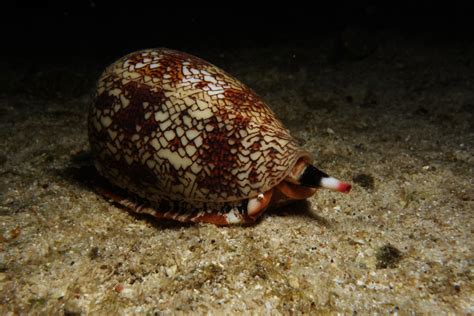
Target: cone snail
point(193, 142)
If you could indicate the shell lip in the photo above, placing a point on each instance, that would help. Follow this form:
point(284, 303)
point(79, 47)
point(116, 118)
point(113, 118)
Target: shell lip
point(301, 154)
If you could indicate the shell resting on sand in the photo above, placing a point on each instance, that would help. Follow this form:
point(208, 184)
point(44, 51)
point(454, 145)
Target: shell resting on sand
point(194, 142)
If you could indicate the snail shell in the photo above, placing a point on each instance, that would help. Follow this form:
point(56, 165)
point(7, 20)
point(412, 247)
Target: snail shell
point(194, 142)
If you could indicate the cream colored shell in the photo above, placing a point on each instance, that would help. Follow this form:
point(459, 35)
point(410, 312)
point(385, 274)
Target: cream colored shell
point(165, 124)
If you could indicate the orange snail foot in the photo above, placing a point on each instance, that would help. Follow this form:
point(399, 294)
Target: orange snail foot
point(294, 191)
point(257, 205)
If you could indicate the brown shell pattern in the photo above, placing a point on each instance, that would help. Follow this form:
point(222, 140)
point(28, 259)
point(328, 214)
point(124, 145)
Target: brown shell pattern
point(168, 125)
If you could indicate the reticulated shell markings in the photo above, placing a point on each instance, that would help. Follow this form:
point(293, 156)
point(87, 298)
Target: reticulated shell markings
point(168, 124)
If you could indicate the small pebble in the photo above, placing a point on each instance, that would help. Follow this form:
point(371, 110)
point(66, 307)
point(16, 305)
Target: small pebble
point(171, 271)
point(119, 288)
point(293, 281)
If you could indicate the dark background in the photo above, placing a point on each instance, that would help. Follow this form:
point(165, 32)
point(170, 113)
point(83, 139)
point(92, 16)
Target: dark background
point(104, 30)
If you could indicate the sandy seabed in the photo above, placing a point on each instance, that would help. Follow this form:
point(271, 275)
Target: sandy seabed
point(396, 121)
